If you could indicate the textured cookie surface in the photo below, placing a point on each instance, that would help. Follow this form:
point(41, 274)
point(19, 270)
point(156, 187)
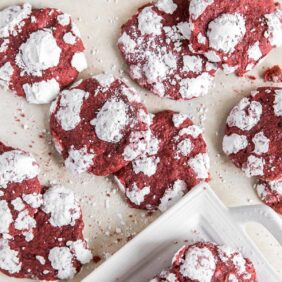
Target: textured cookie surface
point(235, 34)
point(154, 44)
point(41, 228)
point(207, 262)
point(175, 162)
point(40, 52)
point(99, 125)
point(253, 136)
point(271, 194)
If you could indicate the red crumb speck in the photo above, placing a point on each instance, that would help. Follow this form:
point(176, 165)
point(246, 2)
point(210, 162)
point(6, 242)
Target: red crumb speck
point(252, 77)
point(96, 259)
point(149, 213)
point(273, 74)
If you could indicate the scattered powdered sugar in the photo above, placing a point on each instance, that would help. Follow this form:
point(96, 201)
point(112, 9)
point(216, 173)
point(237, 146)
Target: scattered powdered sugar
point(254, 52)
point(254, 166)
point(79, 62)
point(201, 165)
point(6, 217)
point(9, 259)
point(105, 79)
point(146, 165)
point(111, 120)
point(173, 195)
point(199, 264)
point(6, 72)
point(178, 119)
point(62, 206)
point(69, 38)
point(193, 64)
point(261, 143)
point(278, 103)
point(41, 260)
point(79, 161)
point(226, 31)
point(78, 248)
point(128, 43)
point(196, 86)
point(61, 260)
point(185, 147)
point(17, 166)
point(42, 92)
point(276, 186)
point(274, 31)
point(137, 195)
point(192, 130)
point(245, 115)
point(11, 17)
point(212, 56)
point(24, 221)
point(71, 102)
point(40, 52)
point(234, 143)
point(167, 6)
point(197, 7)
point(240, 263)
point(18, 204)
point(273, 186)
point(149, 22)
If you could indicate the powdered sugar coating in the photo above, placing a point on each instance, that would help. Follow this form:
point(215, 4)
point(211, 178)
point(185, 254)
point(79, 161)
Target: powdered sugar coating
point(158, 55)
point(234, 143)
point(278, 103)
point(261, 143)
point(254, 166)
point(197, 7)
point(38, 59)
point(274, 31)
point(60, 203)
point(168, 144)
point(99, 125)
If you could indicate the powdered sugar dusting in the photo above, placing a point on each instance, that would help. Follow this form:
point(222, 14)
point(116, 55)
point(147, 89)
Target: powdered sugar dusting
point(197, 7)
point(79, 248)
point(274, 31)
point(261, 143)
point(234, 143)
point(149, 22)
point(146, 165)
point(137, 195)
point(254, 166)
point(201, 165)
point(278, 103)
point(79, 62)
point(167, 6)
point(6, 217)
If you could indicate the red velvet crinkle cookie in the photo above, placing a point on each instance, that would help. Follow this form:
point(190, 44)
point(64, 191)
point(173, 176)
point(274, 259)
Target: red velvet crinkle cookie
point(176, 161)
point(207, 262)
point(235, 34)
point(271, 194)
point(154, 44)
point(99, 126)
point(253, 138)
point(41, 228)
point(40, 52)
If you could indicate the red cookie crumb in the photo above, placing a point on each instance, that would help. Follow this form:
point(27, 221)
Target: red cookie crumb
point(253, 138)
point(235, 34)
point(40, 52)
point(205, 261)
point(271, 194)
point(99, 126)
point(154, 44)
point(176, 161)
point(273, 74)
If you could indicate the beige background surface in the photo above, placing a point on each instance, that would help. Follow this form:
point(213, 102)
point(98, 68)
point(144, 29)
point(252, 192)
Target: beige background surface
point(109, 222)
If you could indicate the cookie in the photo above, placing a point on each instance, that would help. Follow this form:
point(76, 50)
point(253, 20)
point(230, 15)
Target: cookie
point(253, 137)
point(99, 126)
point(271, 194)
point(176, 161)
point(154, 44)
point(206, 261)
point(40, 52)
point(235, 34)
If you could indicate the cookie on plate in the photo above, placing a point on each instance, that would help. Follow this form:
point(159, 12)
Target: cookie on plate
point(205, 261)
point(176, 161)
point(99, 126)
point(154, 44)
point(271, 194)
point(40, 52)
point(253, 136)
point(235, 34)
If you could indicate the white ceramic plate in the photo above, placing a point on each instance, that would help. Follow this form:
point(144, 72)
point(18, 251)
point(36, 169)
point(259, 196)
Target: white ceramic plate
point(199, 216)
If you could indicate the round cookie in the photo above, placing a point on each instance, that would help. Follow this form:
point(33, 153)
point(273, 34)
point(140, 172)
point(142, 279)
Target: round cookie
point(99, 126)
point(57, 249)
point(154, 44)
point(253, 137)
point(176, 161)
point(205, 261)
point(40, 52)
point(235, 34)
point(271, 194)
